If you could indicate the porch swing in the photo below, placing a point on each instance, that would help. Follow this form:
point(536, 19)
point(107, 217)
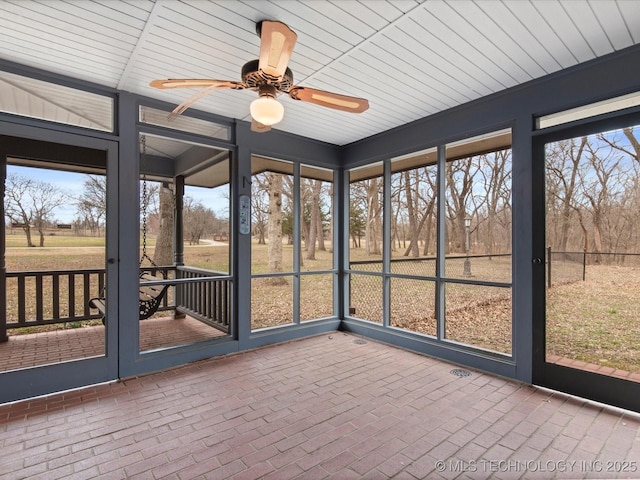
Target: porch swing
point(151, 294)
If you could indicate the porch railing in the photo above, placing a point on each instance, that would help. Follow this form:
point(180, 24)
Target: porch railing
point(36, 298)
point(204, 295)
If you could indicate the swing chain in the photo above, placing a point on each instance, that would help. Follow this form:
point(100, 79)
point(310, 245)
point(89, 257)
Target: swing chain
point(145, 203)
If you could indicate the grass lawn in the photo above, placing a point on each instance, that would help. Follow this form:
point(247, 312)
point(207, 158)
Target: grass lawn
point(20, 240)
point(596, 321)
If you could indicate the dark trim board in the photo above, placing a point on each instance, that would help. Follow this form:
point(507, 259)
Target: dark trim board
point(602, 388)
point(286, 333)
point(457, 354)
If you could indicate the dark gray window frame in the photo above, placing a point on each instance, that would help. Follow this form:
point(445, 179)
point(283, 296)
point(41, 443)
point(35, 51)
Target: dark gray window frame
point(603, 388)
point(437, 346)
point(586, 83)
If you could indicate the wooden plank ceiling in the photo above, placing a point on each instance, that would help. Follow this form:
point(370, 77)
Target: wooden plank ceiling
point(409, 58)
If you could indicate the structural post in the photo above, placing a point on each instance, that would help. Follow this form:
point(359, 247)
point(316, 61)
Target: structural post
point(441, 230)
point(178, 239)
point(3, 270)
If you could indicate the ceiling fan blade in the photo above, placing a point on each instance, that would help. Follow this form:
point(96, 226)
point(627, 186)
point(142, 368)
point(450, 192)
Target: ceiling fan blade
point(259, 127)
point(193, 99)
point(328, 99)
point(276, 46)
point(195, 83)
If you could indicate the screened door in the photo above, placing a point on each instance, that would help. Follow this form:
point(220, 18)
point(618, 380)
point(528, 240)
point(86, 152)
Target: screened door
point(588, 285)
point(56, 251)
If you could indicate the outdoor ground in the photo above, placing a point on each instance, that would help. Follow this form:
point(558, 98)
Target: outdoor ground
point(594, 321)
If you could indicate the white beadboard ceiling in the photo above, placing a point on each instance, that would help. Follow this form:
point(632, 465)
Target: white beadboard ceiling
point(409, 58)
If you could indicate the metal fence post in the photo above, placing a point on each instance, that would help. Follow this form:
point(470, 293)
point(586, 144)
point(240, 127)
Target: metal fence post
point(584, 264)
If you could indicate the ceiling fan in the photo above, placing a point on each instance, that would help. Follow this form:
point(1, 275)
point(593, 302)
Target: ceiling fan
point(268, 75)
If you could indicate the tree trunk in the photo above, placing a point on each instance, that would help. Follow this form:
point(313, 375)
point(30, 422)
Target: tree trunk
point(585, 233)
point(569, 194)
point(426, 215)
point(320, 232)
point(27, 232)
point(313, 223)
point(428, 232)
point(373, 218)
point(413, 229)
point(597, 239)
point(274, 247)
point(163, 253)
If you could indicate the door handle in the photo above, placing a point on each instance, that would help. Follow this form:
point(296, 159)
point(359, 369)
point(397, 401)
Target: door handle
point(536, 261)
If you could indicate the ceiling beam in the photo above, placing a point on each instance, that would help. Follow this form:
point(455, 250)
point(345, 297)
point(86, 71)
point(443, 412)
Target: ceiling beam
point(133, 58)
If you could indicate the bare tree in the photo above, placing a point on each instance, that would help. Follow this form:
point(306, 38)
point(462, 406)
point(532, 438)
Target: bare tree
point(563, 167)
point(495, 172)
point(30, 203)
point(398, 220)
point(632, 150)
point(321, 216)
point(315, 223)
point(260, 206)
point(459, 176)
point(411, 213)
point(373, 227)
point(413, 203)
point(427, 196)
point(92, 203)
point(600, 184)
point(357, 212)
point(198, 221)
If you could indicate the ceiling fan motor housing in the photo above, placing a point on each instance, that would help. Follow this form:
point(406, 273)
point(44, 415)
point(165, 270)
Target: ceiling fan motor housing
point(268, 75)
point(254, 78)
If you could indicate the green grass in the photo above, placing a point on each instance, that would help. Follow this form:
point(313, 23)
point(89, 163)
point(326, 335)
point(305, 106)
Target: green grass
point(53, 241)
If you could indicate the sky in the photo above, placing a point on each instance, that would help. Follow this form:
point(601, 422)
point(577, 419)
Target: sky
point(72, 184)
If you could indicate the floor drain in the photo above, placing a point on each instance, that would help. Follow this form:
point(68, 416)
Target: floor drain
point(460, 372)
point(359, 341)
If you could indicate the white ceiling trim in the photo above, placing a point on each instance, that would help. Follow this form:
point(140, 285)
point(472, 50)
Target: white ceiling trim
point(409, 58)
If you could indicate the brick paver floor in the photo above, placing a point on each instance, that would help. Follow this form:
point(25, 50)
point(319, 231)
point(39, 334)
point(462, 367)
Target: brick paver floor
point(322, 407)
point(30, 350)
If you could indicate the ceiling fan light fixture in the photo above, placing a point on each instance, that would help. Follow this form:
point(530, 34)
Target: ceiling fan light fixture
point(266, 110)
point(269, 75)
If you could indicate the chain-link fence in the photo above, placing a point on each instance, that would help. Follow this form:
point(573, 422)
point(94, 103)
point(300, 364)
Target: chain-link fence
point(365, 299)
point(366, 289)
point(496, 267)
point(568, 267)
point(562, 267)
